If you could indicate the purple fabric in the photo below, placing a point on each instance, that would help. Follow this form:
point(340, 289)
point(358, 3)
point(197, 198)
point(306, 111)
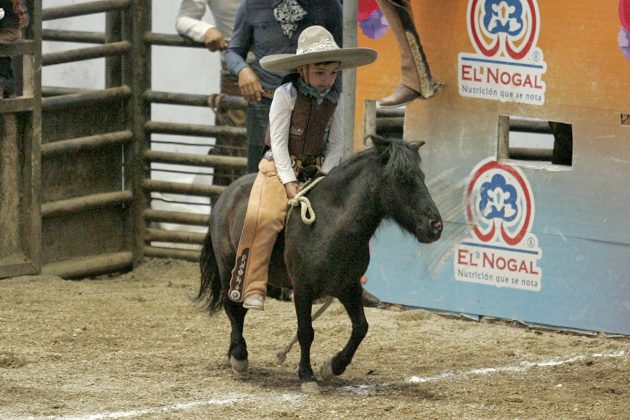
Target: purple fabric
point(623, 40)
point(375, 25)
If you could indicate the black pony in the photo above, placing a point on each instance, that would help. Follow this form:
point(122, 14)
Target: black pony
point(329, 256)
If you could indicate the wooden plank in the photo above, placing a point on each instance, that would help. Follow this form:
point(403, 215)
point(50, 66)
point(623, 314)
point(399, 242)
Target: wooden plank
point(210, 161)
point(162, 252)
point(137, 74)
point(90, 266)
point(159, 235)
point(18, 104)
point(86, 8)
point(17, 269)
point(151, 215)
point(19, 219)
point(61, 207)
point(183, 188)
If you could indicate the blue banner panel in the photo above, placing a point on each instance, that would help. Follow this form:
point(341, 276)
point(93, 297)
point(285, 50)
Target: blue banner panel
point(583, 284)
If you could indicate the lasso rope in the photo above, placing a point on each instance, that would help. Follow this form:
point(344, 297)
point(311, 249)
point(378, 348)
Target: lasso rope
point(306, 210)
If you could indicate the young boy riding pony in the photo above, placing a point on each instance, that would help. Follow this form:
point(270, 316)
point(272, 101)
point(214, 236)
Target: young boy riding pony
point(304, 137)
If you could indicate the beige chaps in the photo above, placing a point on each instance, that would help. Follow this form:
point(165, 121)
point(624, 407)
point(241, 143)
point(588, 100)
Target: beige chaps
point(264, 219)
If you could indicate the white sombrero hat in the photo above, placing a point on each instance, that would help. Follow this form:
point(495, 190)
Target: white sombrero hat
point(317, 45)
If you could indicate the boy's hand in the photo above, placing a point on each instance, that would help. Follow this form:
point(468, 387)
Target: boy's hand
point(214, 40)
point(249, 85)
point(292, 189)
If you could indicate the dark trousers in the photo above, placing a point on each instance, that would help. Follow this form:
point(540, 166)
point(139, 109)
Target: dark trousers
point(228, 144)
point(7, 78)
point(257, 121)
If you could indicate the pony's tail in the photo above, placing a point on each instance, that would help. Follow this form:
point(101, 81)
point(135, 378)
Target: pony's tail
point(209, 294)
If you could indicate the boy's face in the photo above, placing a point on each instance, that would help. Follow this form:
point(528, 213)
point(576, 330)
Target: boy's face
point(320, 76)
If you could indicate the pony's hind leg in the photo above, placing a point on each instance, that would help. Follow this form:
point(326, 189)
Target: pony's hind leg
point(305, 334)
point(354, 307)
point(237, 354)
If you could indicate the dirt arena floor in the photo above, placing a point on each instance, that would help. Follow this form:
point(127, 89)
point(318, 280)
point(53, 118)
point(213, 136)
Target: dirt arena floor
point(134, 346)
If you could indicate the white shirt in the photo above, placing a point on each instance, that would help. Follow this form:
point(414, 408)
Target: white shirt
point(279, 122)
point(189, 23)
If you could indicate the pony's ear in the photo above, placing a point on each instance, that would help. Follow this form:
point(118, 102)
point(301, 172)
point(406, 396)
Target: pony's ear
point(374, 140)
point(416, 145)
point(380, 143)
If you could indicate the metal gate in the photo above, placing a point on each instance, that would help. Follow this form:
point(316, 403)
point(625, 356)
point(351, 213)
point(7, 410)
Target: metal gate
point(84, 188)
point(20, 131)
point(87, 152)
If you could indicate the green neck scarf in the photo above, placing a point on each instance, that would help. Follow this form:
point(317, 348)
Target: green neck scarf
point(332, 95)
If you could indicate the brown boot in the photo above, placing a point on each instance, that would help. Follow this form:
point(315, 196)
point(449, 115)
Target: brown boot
point(415, 75)
point(254, 301)
point(401, 95)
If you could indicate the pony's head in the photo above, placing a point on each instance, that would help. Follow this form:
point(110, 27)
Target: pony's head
point(404, 196)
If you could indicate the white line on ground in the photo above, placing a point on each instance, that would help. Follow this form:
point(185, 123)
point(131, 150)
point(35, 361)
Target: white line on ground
point(156, 410)
point(521, 367)
point(174, 407)
point(356, 389)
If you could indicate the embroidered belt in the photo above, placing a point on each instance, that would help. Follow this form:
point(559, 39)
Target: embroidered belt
point(304, 169)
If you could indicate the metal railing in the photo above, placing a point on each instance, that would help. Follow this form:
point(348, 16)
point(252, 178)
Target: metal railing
point(126, 47)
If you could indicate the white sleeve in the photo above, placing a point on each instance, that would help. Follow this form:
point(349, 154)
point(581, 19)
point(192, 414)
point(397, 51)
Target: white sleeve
point(334, 146)
point(189, 23)
point(279, 123)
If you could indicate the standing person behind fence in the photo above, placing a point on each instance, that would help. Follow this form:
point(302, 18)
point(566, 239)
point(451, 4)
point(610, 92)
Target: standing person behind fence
point(305, 126)
point(271, 27)
point(13, 18)
point(216, 37)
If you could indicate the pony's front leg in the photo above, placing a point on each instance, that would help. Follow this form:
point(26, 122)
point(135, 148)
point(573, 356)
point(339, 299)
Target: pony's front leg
point(306, 334)
point(351, 300)
point(237, 354)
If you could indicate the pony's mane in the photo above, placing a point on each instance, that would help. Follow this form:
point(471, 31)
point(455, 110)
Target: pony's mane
point(350, 167)
point(390, 157)
point(403, 163)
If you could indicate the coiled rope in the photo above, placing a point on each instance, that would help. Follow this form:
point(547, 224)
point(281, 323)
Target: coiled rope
point(306, 210)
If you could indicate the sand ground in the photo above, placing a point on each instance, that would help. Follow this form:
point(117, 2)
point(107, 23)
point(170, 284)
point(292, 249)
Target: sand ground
point(135, 346)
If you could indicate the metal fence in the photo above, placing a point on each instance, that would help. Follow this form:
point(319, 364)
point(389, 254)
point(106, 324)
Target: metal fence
point(89, 151)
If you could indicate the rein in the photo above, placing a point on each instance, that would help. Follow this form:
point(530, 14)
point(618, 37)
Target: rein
point(306, 210)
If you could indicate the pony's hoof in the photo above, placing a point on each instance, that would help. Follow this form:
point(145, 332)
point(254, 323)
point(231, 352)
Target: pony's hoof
point(326, 371)
point(310, 387)
point(281, 355)
point(239, 367)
